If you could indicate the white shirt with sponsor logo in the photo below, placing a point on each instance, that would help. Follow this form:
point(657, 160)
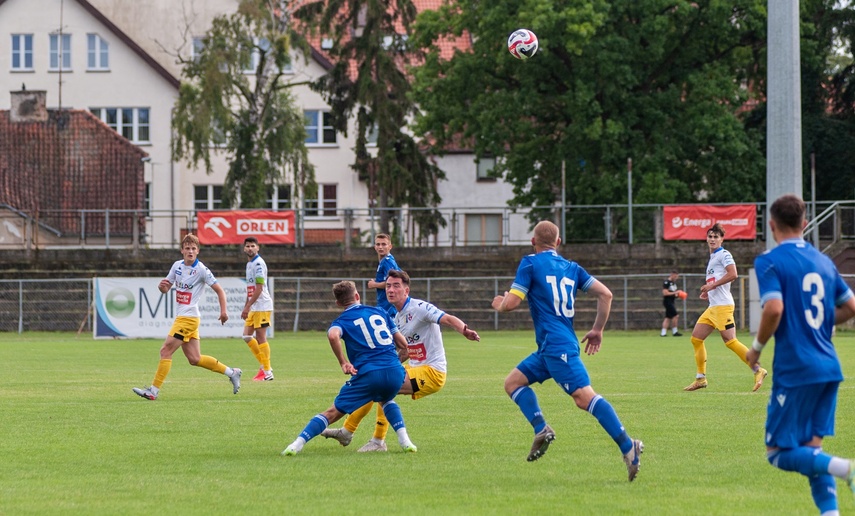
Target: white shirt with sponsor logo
point(257, 269)
point(719, 260)
point(189, 281)
point(418, 321)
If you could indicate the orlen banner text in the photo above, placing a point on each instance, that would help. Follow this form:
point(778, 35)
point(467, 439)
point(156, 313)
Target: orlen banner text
point(232, 227)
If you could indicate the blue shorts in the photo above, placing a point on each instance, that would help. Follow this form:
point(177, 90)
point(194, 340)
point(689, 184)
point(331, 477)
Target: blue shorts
point(796, 414)
point(566, 369)
point(378, 385)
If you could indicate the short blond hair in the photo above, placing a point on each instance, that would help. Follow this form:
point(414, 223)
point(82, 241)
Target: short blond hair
point(545, 234)
point(190, 238)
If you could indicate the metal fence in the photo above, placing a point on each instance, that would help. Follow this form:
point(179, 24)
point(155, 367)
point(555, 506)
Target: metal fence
point(307, 303)
point(471, 225)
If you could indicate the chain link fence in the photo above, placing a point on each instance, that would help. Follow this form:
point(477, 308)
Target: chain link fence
point(307, 303)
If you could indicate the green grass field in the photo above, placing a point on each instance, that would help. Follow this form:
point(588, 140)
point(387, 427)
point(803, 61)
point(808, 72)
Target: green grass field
point(74, 439)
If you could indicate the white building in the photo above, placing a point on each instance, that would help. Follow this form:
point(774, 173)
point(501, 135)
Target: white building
point(118, 60)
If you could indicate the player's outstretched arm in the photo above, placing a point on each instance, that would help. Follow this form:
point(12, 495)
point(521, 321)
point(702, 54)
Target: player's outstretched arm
point(459, 326)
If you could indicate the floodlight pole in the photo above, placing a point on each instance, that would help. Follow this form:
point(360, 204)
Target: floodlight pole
point(784, 116)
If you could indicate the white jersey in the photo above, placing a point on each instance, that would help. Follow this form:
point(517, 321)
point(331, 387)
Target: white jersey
point(189, 281)
point(719, 260)
point(256, 269)
point(419, 322)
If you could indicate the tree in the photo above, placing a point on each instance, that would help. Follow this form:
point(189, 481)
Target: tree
point(370, 52)
point(661, 82)
point(252, 116)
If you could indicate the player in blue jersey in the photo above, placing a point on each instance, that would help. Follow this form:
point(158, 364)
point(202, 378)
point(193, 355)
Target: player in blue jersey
point(383, 246)
point(371, 340)
point(803, 297)
point(551, 284)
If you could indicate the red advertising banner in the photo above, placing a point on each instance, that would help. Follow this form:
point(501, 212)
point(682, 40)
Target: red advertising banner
point(691, 222)
point(232, 227)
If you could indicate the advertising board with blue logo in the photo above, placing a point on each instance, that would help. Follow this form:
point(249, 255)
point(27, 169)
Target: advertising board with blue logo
point(134, 308)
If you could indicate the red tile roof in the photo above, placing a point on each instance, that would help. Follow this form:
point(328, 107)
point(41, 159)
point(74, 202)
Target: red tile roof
point(72, 161)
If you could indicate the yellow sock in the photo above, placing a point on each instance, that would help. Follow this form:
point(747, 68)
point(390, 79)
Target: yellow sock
point(163, 368)
point(382, 424)
point(256, 350)
point(264, 349)
point(738, 348)
point(353, 420)
point(211, 364)
point(700, 355)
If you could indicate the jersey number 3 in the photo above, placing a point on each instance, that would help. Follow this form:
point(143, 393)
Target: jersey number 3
point(812, 284)
point(562, 295)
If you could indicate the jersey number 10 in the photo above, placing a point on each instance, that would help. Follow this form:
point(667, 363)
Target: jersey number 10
point(562, 295)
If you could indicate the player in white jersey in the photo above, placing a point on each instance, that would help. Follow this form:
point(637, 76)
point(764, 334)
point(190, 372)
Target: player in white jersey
point(190, 277)
point(721, 271)
point(257, 310)
point(418, 321)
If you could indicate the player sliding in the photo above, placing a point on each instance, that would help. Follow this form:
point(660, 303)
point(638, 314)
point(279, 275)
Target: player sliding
point(419, 321)
point(370, 338)
point(551, 284)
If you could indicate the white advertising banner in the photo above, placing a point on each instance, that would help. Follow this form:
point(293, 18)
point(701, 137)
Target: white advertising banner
point(135, 308)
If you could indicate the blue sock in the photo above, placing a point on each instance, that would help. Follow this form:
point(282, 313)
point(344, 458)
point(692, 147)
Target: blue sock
point(393, 414)
point(807, 460)
point(824, 491)
point(606, 415)
point(526, 400)
point(316, 425)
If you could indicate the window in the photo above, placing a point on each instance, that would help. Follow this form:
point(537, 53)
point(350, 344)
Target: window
point(484, 167)
point(373, 135)
point(483, 229)
point(251, 61)
point(60, 51)
point(326, 43)
point(99, 53)
point(279, 197)
point(319, 129)
point(147, 200)
point(325, 204)
point(197, 48)
point(132, 123)
point(22, 52)
point(207, 197)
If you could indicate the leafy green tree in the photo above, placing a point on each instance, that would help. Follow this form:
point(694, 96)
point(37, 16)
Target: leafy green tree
point(368, 79)
point(661, 82)
point(828, 97)
point(234, 95)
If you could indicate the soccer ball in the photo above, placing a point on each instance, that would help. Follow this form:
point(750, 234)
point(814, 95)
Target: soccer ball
point(522, 43)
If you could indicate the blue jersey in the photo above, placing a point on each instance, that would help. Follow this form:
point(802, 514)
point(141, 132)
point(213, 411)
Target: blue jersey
point(367, 334)
point(550, 283)
point(810, 287)
point(387, 264)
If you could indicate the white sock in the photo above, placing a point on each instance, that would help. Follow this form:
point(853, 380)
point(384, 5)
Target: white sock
point(154, 390)
point(229, 372)
point(673, 330)
point(663, 332)
point(830, 513)
point(373, 439)
point(298, 444)
point(838, 467)
point(403, 437)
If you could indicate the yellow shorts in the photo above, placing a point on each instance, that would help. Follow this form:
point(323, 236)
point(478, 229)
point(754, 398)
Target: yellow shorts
point(185, 328)
point(425, 380)
point(258, 319)
point(719, 317)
